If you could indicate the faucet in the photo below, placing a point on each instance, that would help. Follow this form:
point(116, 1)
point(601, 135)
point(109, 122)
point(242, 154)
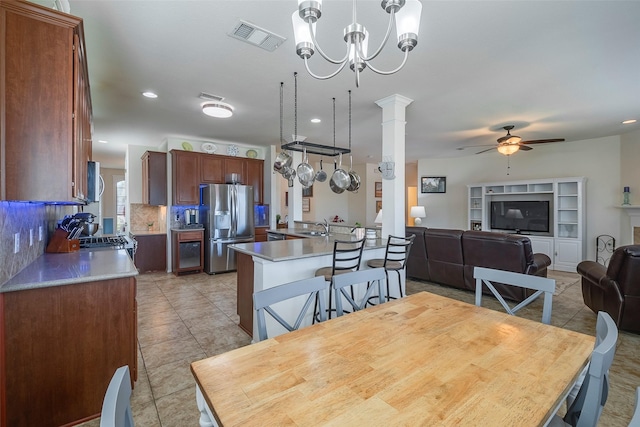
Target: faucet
point(324, 225)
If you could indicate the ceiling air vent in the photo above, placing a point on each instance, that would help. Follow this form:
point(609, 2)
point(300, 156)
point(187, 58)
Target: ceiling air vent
point(210, 97)
point(250, 33)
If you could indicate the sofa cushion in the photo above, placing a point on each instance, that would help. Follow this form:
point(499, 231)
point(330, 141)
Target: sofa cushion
point(499, 251)
point(444, 256)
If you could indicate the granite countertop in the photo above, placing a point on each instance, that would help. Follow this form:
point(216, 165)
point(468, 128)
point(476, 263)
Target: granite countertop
point(187, 229)
point(283, 250)
point(81, 266)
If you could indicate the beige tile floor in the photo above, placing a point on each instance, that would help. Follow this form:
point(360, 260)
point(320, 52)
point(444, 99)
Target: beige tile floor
point(187, 318)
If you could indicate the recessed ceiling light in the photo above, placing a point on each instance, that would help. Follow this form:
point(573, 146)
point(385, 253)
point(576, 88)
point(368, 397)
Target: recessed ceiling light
point(102, 141)
point(149, 94)
point(315, 120)
point(628, 122)
point(219, 110)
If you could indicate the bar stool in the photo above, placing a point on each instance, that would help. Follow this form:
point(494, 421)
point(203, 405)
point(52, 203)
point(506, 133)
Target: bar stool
point(395, 259)
point(346, 258)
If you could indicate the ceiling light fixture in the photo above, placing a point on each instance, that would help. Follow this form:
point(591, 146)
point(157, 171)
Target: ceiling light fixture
point(315, 120)
point(404, 13)
point(628, 122)
point(217, 109)
point(149, 94)
point(103, 141)
point(508, 148)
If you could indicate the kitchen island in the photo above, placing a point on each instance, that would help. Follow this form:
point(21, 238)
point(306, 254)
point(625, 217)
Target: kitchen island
point(68, 322)
point(263, 265)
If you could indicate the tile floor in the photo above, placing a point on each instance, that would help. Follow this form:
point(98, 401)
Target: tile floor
point(187, 318)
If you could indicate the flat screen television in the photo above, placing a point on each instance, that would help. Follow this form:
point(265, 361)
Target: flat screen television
point(530, 216)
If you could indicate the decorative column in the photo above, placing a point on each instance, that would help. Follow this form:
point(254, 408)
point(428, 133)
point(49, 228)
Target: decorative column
point(393, 150)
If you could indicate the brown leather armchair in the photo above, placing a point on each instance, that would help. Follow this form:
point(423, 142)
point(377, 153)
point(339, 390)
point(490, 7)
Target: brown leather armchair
point(615, 289)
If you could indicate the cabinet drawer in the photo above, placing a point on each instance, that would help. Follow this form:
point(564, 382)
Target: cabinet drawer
point(184, 236)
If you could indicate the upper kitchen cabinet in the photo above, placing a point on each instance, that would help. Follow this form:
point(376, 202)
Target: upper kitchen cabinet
point(185, 177)
point(191, 169)
point(212, 169)
point(45, 105)
point(235, 166)
point(154, 178)
point(255, 177)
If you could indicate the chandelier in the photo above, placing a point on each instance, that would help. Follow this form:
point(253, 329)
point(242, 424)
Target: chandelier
point(404, 13)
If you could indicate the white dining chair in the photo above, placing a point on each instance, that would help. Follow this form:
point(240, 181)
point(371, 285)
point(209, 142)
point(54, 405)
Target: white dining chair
point(367, 278)
point(541, 285)
point(585, 410)
point(635, 420)
point(263, 300)
point(116, 406)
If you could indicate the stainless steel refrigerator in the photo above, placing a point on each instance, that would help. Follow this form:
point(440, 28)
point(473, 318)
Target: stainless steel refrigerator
point(226, 211)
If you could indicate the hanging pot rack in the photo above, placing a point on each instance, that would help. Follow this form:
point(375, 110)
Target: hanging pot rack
point(311, 147)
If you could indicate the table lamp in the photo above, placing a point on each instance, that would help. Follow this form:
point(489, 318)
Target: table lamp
point(417, 212)
point(378, 219)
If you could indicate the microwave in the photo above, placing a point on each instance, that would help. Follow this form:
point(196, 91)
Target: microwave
point(95, 183)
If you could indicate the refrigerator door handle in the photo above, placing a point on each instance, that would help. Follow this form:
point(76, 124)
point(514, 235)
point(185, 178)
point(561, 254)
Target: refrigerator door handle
point(234, 204)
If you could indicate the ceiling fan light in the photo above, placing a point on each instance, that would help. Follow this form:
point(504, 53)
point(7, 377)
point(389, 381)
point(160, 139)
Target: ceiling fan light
point(508, 149)
point(217, 109)
point(513, 139)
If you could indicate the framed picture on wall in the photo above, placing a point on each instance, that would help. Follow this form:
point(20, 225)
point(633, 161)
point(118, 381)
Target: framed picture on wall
point(307, 192)
point(378, 205)
point(433, 184)
point(378, 189)
point(306, 205)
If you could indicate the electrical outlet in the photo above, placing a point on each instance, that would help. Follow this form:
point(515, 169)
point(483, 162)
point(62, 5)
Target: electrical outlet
point(30, 237)
point(40, 233)
point(16, 243)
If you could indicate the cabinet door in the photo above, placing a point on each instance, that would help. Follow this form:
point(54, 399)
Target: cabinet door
point(82, 138)
point(154, 178)
point(36, 48)
point(151, 254)
point(255, 177)
point(568, 253)
point(186, 177)
point(235, 165)
point(212, 169)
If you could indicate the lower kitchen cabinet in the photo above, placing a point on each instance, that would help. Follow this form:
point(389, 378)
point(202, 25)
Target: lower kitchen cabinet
point(60, 347)
point(261, 234)
point(188, 251)
point(151, 254)
point(244, 299)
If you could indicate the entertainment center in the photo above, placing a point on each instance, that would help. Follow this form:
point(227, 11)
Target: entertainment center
point(551, 212)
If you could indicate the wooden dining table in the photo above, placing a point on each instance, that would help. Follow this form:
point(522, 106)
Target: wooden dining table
point(420, 360)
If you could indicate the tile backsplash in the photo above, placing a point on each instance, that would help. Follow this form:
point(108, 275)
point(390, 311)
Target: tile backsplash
point(143, 215)
point(26, 218)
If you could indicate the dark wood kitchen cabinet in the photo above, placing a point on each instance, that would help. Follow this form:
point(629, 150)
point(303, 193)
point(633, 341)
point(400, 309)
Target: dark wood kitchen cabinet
point(188, 251)
point(255, 177)
point(191, 169)
point(151, 253)
point(154, 178)
point(45, 105)
point(185, 177)
point(212, 169)
point(238, 166)
point(60, 346)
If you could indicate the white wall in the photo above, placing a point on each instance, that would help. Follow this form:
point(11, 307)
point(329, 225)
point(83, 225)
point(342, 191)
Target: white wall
point(629, 177)
point(596, 159)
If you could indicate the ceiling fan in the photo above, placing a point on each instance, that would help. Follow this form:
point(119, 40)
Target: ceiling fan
point(510, 144)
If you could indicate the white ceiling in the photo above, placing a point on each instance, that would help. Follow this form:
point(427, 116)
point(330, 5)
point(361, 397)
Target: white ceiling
point(555, 69)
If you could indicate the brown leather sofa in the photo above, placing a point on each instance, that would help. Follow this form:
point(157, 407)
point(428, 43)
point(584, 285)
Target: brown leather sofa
point(448, 257)
point(616, 288)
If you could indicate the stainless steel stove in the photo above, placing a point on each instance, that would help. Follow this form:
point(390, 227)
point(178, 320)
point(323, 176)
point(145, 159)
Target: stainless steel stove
point(109, 242)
